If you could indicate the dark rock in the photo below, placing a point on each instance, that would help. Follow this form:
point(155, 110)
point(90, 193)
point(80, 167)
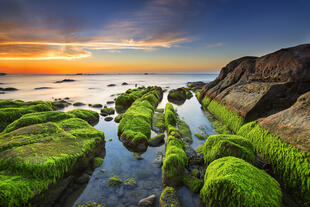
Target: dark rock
point(83, 179)
point(65, 80)
point(157, 140)
point(2, 74)
point(111, 85)
point(124, 84)
point(78, 104)
point(110, 102)
point(118, 118)
point(42, 88)
point(108, 118)
point(147, 202)
point(8, 89)
point(60, 104)
point(137, 156)
point(177, 96)
point(258, 87)
point(95, 105)
point(195, 85)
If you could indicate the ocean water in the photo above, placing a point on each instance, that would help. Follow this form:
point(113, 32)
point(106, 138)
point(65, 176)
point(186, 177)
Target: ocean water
point(92, 89)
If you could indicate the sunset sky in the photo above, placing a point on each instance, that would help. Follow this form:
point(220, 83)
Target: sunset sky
point(101, 36)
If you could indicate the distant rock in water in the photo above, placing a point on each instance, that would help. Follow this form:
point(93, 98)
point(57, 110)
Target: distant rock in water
point(2, 74)
point(65, 80)
point(42, 88)
point(124, 84)
point(111, 85)
point(177, 96)
point(8, 89)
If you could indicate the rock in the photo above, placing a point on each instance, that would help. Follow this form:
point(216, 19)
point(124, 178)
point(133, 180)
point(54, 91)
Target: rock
point(124, 84)
point(195, 85)
point(158, 162)
point(2, 74)
point(292, 124)
point(115, 181)
point(201, 137)
point(118, 118)
point(147, 202)
point(83, 179)
point(137, 156)
point(130, 183)
point(65, 80)
point(169, 198)
point(110, 140)
point(177, 96)
point(110, 102)
point(157, 140)
point(8, 89)
point(42, 88)
point(258, 87)
point(111, 85)
point(95, 105)
point(158, 122)
point(60, 104)
point(108, 118)
point(107, 111)
point(78, 104)
point(90, 204)
point(160, 110)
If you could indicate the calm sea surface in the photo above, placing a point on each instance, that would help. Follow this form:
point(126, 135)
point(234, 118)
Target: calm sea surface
point(92, 89)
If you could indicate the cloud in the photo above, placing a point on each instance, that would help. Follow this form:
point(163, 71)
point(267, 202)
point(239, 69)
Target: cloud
point(30, 32)
point(219, 44)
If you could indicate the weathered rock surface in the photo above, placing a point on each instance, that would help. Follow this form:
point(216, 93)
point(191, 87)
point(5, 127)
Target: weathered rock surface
point(258, 87)
point(147, 202)
point(292, 124)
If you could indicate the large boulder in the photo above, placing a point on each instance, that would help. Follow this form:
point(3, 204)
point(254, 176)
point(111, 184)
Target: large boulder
point(292, 124)
point(258, 87)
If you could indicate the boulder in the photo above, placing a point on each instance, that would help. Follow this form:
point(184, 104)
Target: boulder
point(148, 201)
point(258, 87)
point(157, 140)
point(169, 198)
point(177, 96)
point(292, 124)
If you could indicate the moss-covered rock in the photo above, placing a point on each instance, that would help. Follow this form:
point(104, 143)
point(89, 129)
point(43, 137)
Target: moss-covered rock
point(98, 162)
point(177, 96)
point(231, 181)
point(170, 115)
point(107, 111)
point(90, 204)
point(158, 123)
point(39, 149)
point(290, 164)
point(124, 100)
point(91, 117)
point(223, 145)
point(13, 110)
point(134, 129)
point(185, 131)
point(193, 183)
point(95, 105)
point(169, 198)
point(115, 181)
point(118, 118)
point(174, 162)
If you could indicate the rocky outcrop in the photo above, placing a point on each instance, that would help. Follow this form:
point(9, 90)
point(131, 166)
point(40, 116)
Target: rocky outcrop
point(258, 87)
point(292, 124)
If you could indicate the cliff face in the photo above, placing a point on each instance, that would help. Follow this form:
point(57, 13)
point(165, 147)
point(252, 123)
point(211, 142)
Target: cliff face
point(258, 87)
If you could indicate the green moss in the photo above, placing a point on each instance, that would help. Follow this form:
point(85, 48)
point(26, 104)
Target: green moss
point(201, 137)
point(118, 118)
point(193, 183)
point(290, 164)
point(135, 127)
point(35, 155)
point(195, 172)
point(91, 117)
point(174, 162)
point(96, 105)
point(130, 181)
point(230, 181)
point(158, 122)
point(170, 115)
point(107, 111)
point(169, 198)
point(98, 162)
point(115, 181)
point(185, 131)
point(231, 118)
point(177, 96)
point(189, 95)
point(37, 118)
point(13, 110)
point(124, 100)
point(205, 102)
point(223, 145)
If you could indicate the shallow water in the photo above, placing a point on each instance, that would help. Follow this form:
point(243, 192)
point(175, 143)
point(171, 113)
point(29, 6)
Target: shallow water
point(118, 160)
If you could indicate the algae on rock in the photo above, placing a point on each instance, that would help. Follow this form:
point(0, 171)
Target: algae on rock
point(231, 181)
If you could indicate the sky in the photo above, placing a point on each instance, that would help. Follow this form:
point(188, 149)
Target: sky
point(129, 36)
